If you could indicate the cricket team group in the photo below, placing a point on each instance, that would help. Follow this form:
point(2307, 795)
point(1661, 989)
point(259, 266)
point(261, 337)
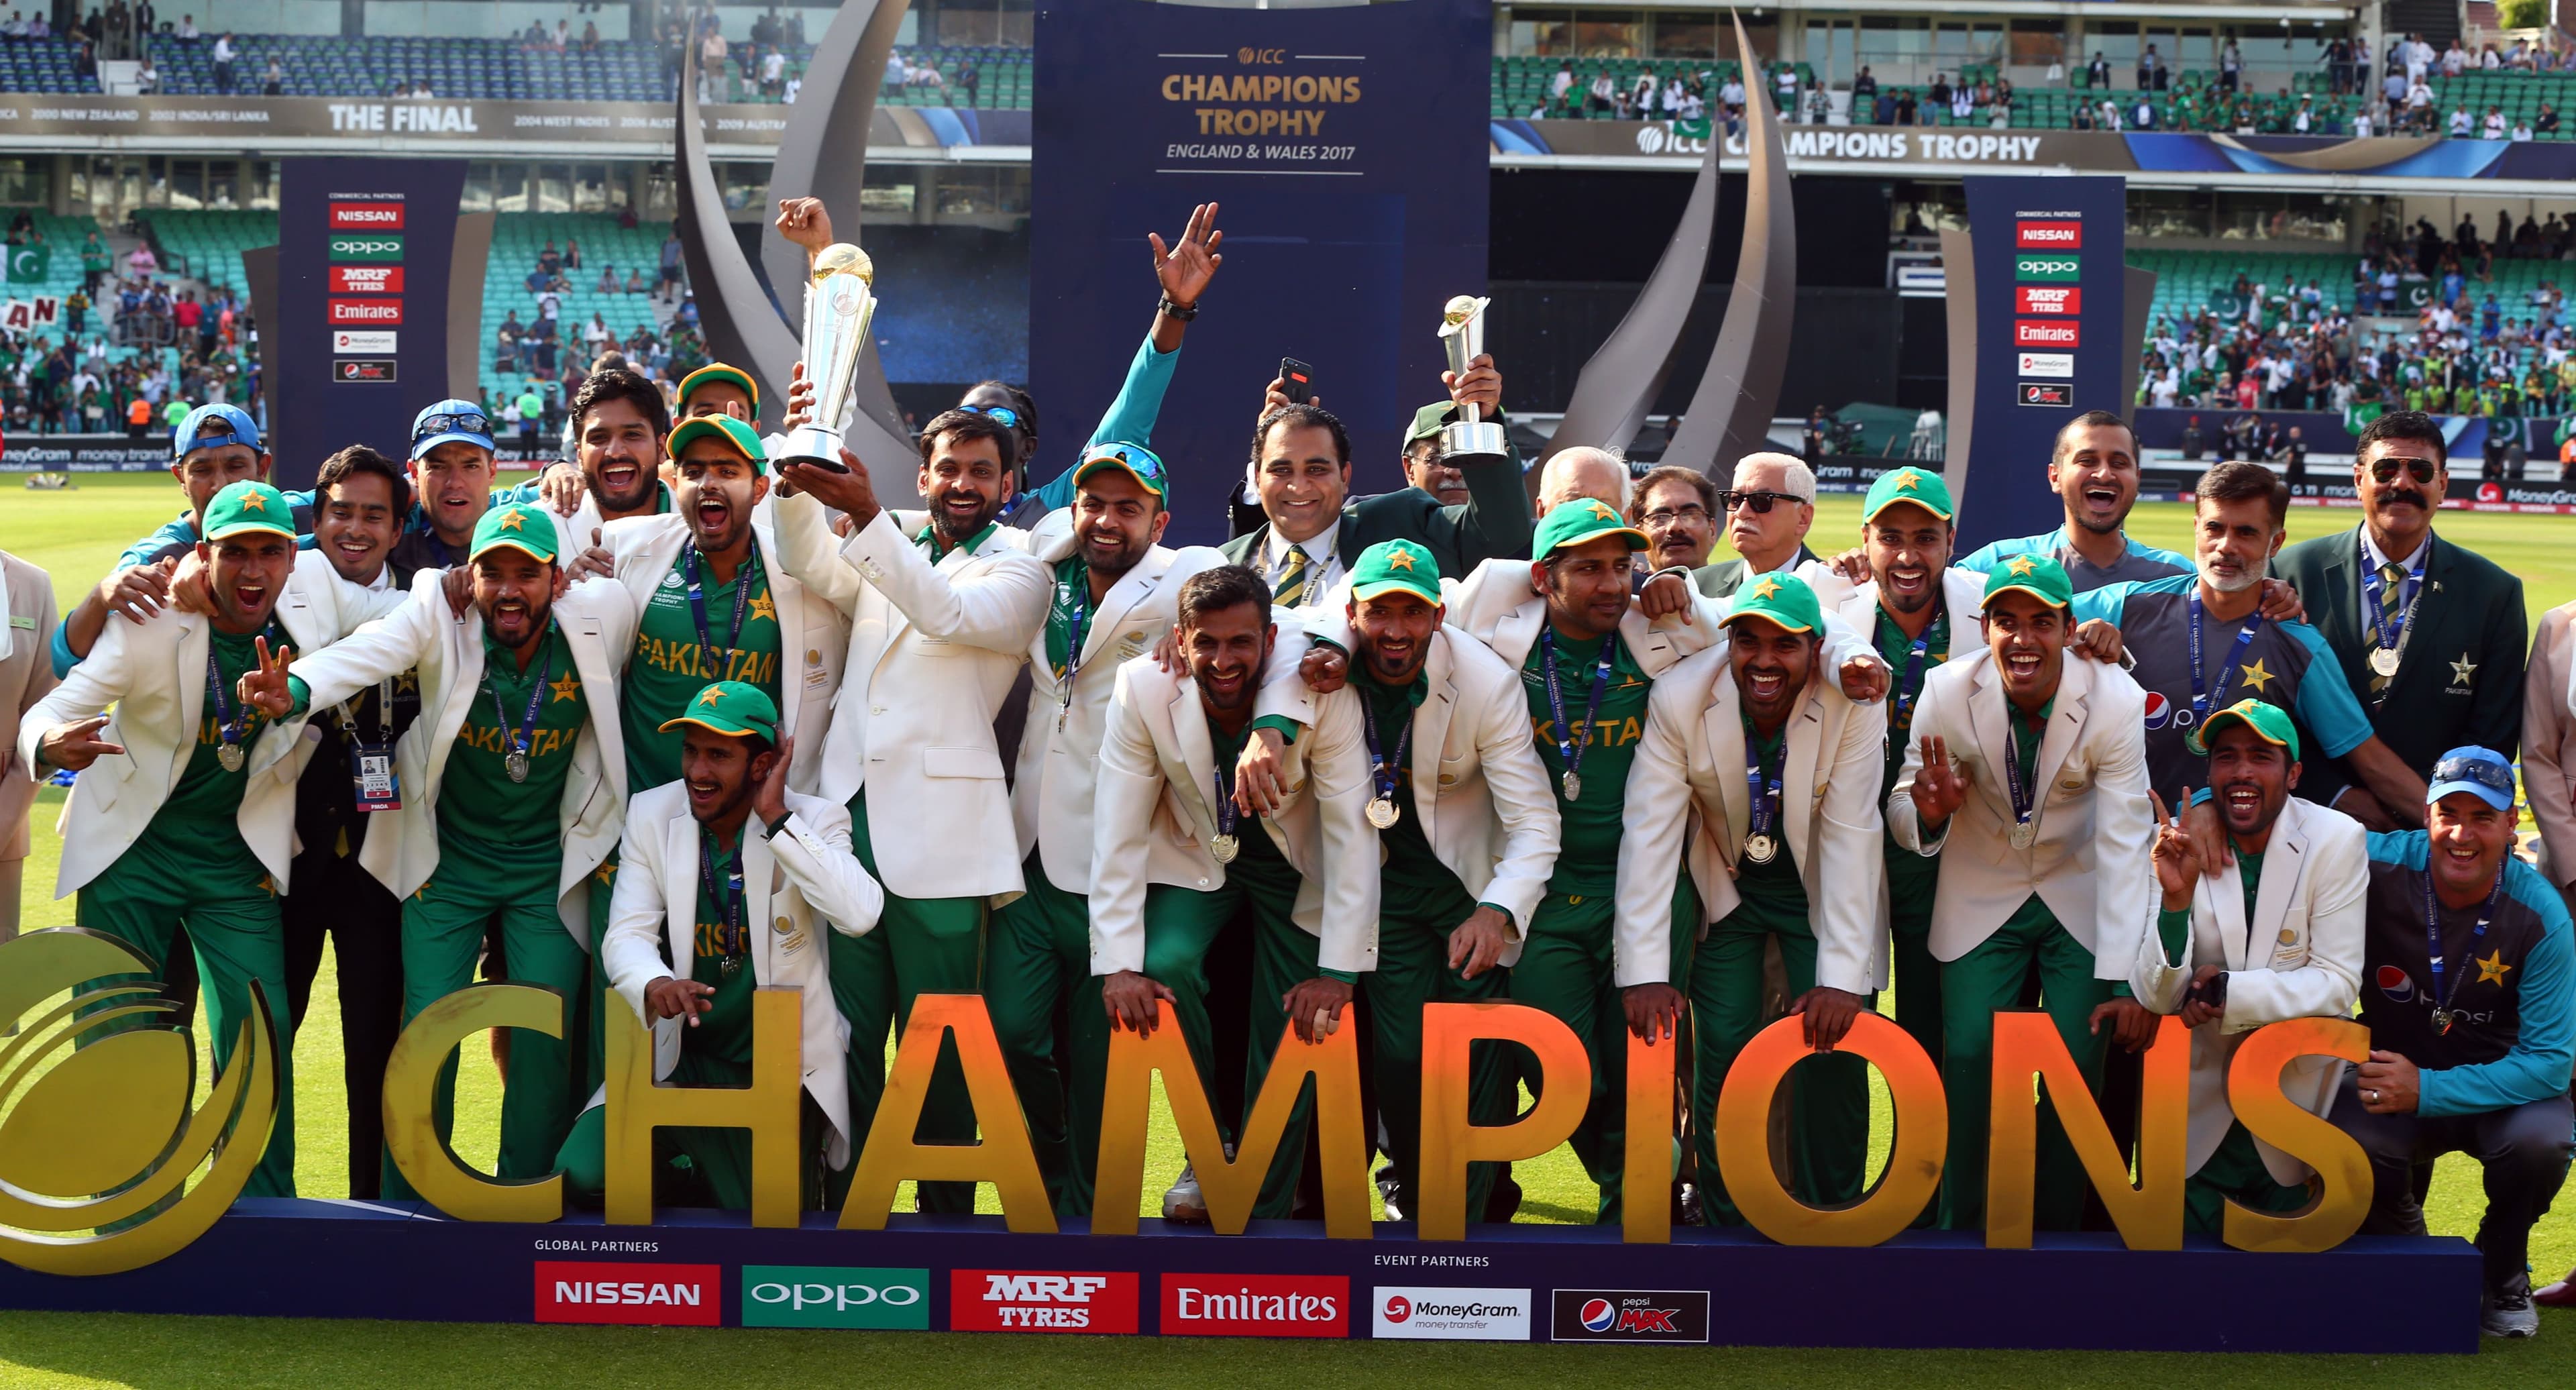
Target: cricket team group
point(683, 719)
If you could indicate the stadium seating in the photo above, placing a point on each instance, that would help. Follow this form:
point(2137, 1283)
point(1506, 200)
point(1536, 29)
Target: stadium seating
point(208, 245)
point(42, 66)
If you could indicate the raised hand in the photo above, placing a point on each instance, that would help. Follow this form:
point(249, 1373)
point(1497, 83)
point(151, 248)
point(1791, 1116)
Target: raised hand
point(139, 592)
point(1275, 397)
point(804, 222)
point(851, 492)
point(1186, 268)
point(74, 746)
point(265, 689)
point(1481, 387)
point(1939, 788)
point(769, 795)
point(2177, 854)
point(192, 584)
point(800, 400)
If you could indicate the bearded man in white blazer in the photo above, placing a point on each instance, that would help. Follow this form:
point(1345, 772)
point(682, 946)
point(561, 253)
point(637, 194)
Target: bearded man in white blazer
point(188, 823)
point(2030, 768)
point(730, 882)
point(944, 618)
point(2276, 933)
point(513, 791)
point(1764, 774)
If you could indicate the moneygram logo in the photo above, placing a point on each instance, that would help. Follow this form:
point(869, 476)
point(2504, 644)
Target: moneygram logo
point(1011, 1300)
point(363, 341)
point(366, 279)
point(2055, 364)
point(1453, 1315)
point(366, 311)
point(383, 247)
point(2041, 299)
point(366, 217)
point(2042, 333)
point(663, 1295)
point(2052, 269)
point(1628, 1315)
point(896, 1300)
point(1256, 1305)
point(2048, 236)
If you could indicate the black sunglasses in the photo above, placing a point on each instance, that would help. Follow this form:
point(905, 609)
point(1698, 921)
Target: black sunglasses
point(2383, 471)
point(444, 424)
point(2492, 776)
point(1760, 503)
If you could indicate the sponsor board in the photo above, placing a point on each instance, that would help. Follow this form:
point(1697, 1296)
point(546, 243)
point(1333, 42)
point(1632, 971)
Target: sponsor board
point(356, 340)
point(893, 1300)
point(2027, 299)
point(2048, 269)
point(1256, 1305)
point(2060, 394)
point(367, 279)
point(663, 1295)
point(385, 312)
point(1628, 1315)
point(2049, 236)
point(1417, 1313)
point(2057, 364)
point(366, 217)
point(366, 246)
point(1040, 1300)
point(362, 369)
point(2045, 333)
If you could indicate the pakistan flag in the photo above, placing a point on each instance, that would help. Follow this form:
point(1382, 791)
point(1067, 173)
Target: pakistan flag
point(31, 263)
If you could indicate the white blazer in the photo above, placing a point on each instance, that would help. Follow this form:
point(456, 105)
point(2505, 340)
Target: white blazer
point(1156, 814)
point(807, 872)
point(813, 624)
point(2091, 860)
point(598, 622)
point(934, 649)
point(1855, 606)
point(1498, 606)
point(1686, 789)
point(153, 672)
point(2301, 957)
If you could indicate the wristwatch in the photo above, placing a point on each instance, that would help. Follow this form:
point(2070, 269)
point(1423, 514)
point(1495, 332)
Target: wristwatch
point(1176, 311)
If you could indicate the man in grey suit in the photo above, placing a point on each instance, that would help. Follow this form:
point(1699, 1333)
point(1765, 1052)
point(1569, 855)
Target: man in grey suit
point(1769, 507)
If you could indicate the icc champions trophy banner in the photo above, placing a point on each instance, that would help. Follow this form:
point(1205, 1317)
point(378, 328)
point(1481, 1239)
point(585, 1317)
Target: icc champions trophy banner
point(362, 316)
point(1353, 185)
point(2048, 339)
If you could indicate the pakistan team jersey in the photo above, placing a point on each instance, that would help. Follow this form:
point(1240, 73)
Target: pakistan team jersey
point(2287, 664)
point(2140, 563)
point(723, 1032)
point(486, 822)
point(669, 667)
point(1775, 892)
point(198, 830)
point(1587, 859)
point(1413, 874)
point(1911, 878)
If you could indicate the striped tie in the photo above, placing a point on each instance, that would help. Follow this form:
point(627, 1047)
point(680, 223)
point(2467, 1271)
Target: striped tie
point(1292, 579)
point(2392, 610)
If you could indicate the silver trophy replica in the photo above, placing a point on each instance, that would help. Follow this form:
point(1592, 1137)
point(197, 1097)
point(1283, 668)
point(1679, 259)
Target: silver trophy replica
point(838, 306)
point(1462, 331)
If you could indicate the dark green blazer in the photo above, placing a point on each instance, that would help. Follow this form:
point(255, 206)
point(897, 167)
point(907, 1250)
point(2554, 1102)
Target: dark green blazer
point(1722, 579)
point(2462, 681)
point(1493, 523)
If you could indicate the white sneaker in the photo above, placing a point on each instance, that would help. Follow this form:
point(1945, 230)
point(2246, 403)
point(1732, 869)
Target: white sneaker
point(2508, 1311)
point(1184, 1202)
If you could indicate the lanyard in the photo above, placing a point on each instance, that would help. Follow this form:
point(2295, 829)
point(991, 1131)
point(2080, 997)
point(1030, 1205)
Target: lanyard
point(1077, 615)
point(1569, 743)
point(228, 724)
point(2442, 1015)
point(1909, 680)
point(536, 693)
point(2203, 700)
point(1384, 772)
point(711, 655)
point(727, 895)
point(1761, 786)
point(1224, 809)
point(2016, 782)
point(2373, 587)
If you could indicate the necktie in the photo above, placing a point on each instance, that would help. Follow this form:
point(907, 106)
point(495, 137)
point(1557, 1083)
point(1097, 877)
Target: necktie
point(2392, 610)
point(1292, 579)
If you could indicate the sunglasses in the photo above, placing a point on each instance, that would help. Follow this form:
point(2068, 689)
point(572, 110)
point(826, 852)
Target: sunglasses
point(2485, 774)
point(1008, 418)
point(1759, 503)
point(1136, 461)
point(447, 424)
point(2383, 471)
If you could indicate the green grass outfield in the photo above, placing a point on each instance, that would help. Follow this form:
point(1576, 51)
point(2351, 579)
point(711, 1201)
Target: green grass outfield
point(75, 535)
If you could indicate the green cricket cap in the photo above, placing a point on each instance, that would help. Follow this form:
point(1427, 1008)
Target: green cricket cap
point(1578, 522)
point(1925, 490)
point(1428, 421)
point(245, 507)
point(2036, 575)
point(2269, 721)
point(739, 437)
point(731, 708)
point(1778, 598)
point(521, 526)
point(1135, 460)
point(1392, 565)
point(718, 371)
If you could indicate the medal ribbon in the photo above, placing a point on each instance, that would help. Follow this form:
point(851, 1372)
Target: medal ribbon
point(1570, 745)
point(536, 694)
point(714, 657)
point(732, 940)
point(1910, 677)
point(227, 724)
point(2433, 933)
point(1077, 615)
point(2202, 701)
point(2374, 599)
point(2016, 782)
point(1761, 785)
point(1384, 772)
point(1224, 809)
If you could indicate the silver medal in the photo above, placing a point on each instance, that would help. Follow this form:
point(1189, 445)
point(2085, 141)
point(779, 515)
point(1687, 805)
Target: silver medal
point(516, 764)
point(1382, 813)
point(2023, 834)
point(2383, 660)
point(1573, 786)
point(732, 964)
point(230, 755)
point(1759, 849)
point(1223, 848)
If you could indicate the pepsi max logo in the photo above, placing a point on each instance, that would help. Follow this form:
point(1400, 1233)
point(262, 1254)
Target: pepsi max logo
point(2396, 983)
point(1625, 1315)
point(2159, 710)
point(1599, 1315)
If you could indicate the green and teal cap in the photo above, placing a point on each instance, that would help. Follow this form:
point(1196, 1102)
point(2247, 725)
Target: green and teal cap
point(731, 708)
point(2036, 575)
point(520, 526)
point(1135, 460)
point(1389, 566)
point(246, 507)
point(2269, 721)
point(1925, 490)
point(1783, 599)
point(1579, 522)
point(739, 437)
point(719, 371)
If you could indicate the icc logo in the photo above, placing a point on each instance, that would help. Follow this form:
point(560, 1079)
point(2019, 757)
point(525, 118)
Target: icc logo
point(1267, 56)
point(101, 1140)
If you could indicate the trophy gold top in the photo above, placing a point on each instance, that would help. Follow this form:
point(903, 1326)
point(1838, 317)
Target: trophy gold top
point(1459, 310)
point(843, 258)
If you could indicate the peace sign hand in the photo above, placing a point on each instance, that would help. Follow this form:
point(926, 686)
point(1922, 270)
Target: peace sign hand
point(2177, 854)
point(266, 689)
point(74, 746)
point(1185, 269)
point(1939, 788)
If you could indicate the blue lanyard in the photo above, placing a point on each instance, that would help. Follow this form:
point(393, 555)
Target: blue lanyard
point(2203, 700)
point(1384, 773)
point(2433, 936)
point(1909, 682)
point(1569, 744)
point(1763, 788)
point(1077, 616)
point(2016, 782)
point(714, 657)
point(1224, 810)
point(536, 694)
point(2373, 587)
point(228, 724)
point(731, 940)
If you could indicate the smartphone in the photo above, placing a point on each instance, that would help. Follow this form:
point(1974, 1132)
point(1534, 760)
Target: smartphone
point(1299, 378)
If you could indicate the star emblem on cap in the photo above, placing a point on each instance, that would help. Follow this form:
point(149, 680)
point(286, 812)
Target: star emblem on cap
point(2253, 674)
point(2492, 968)
point(1907, 480)
point(565, 689)
point(253, 502)
point(1601, 510)
point(710, 696)
point(1400, 560)
point(513, 519)
point(2021, 566)
point(1766, 588)
point(762, 607)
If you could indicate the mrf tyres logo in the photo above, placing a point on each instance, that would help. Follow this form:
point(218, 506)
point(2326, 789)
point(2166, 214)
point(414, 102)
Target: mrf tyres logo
point(1256, 1305)
point(1628, 1315)
point(665, 1295)
point(1023, 1300)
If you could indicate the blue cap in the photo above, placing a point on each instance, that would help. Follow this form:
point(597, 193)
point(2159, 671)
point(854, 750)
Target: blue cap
point(211, 425)
point(450, 419)
point(2483, 771)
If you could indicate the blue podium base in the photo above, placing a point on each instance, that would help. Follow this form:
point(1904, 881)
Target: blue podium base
point(337, 1259)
